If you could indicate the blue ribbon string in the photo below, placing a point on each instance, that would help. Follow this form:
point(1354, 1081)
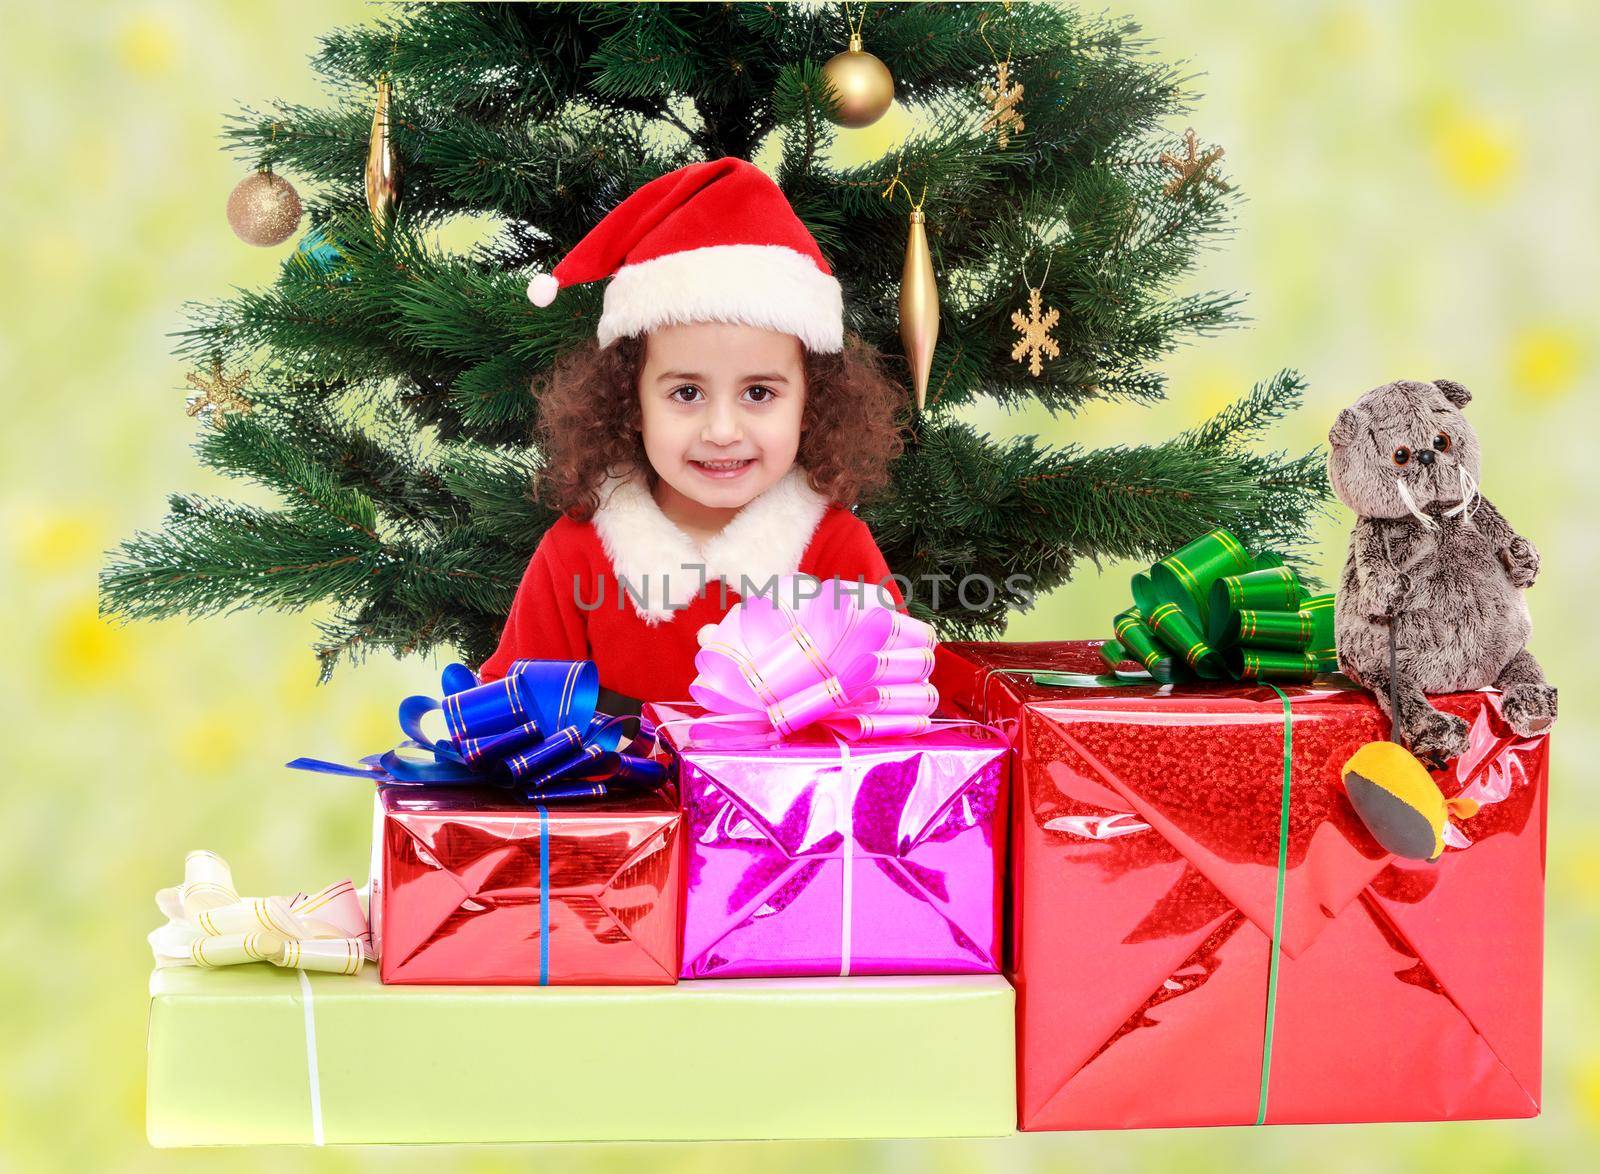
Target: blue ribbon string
point(544, 896)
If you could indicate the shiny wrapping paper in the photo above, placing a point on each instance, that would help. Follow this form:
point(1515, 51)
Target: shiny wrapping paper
point(808, 858)
point(471, 885)
point(251, 1055)
point(1144, 877)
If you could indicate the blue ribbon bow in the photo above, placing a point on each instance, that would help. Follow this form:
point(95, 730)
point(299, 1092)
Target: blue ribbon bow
point(537, 728)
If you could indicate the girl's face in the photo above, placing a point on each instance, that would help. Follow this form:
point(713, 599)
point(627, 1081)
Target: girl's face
point(721, 407)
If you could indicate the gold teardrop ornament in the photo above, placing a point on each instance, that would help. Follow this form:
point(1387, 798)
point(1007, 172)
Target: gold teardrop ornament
point(385, 176)
point(919, 307)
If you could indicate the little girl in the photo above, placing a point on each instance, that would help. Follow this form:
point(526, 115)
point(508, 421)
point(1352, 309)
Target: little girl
point(712, 437)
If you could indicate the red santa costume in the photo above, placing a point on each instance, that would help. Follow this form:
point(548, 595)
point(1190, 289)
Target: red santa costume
point(628, 589)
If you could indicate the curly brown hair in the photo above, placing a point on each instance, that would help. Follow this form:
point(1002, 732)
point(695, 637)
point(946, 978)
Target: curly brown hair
point(852, 427)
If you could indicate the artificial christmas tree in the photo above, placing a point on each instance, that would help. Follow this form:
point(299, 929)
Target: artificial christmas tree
point(390, 402)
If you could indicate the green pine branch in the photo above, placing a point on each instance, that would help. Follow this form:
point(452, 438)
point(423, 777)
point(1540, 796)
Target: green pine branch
point(393, 416)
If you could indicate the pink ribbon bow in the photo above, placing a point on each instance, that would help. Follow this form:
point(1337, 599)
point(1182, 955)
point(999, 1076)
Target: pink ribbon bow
point(785, 660)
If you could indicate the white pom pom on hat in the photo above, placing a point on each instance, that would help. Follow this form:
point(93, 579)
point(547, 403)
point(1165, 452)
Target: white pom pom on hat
point(710, 242)
point(542, 289)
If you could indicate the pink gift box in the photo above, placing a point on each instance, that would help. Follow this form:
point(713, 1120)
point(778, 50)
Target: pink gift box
point(817, 856)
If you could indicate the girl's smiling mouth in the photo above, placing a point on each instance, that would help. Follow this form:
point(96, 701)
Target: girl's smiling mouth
point(722, 470)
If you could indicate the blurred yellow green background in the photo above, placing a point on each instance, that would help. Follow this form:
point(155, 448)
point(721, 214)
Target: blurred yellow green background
point(1423, 201)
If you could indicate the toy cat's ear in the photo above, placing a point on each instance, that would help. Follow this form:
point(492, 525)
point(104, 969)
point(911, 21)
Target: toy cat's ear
point(1345, 428)
point(1454, 392)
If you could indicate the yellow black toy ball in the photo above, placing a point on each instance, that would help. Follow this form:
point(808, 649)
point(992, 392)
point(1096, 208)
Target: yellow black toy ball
point(1398, 800)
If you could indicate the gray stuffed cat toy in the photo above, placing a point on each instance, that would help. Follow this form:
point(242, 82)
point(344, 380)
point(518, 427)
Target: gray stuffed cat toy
point(1432, 556)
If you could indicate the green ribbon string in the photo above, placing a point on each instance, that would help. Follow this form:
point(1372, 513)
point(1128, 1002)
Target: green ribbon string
point(1213, 611)
point(1045, 675)
point(1277, 905)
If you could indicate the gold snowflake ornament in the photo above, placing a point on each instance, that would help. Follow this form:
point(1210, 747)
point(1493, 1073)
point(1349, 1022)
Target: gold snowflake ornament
point(1003, 98)
point(218, 396)
point(1035, 341)
point(1192, 169)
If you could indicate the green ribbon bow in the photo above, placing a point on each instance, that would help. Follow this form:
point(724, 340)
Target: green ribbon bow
point(1211, 610)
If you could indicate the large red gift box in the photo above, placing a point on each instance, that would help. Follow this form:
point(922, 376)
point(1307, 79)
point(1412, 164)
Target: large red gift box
point(476, 885)
point(1144, 889)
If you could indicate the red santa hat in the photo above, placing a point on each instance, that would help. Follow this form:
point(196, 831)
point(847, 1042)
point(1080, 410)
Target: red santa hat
point(711, 242)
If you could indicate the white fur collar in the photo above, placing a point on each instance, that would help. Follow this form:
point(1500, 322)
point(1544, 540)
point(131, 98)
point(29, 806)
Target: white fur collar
point(660, 564)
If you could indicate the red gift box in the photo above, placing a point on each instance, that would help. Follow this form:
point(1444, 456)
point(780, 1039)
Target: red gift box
point(473, 885)
point(1143, 894)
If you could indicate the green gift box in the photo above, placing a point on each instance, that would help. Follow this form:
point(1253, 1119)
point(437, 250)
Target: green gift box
point(253, 1055)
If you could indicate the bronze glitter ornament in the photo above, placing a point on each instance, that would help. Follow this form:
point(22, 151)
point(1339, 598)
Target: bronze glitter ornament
point(264, 209)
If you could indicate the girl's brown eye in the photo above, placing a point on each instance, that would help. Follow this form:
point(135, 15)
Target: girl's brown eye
point(1402, 455)
point(1441, 442)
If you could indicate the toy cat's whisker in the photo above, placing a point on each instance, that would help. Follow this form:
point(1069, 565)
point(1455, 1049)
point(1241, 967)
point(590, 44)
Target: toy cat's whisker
point(1411, 504)
point(1469, 494)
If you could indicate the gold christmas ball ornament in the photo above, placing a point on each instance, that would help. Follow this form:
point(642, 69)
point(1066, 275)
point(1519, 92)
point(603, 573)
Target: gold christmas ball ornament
point(264, 210)
point(863, 83)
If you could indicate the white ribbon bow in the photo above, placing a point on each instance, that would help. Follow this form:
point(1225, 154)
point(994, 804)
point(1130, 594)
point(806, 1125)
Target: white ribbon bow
point(210, 925)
